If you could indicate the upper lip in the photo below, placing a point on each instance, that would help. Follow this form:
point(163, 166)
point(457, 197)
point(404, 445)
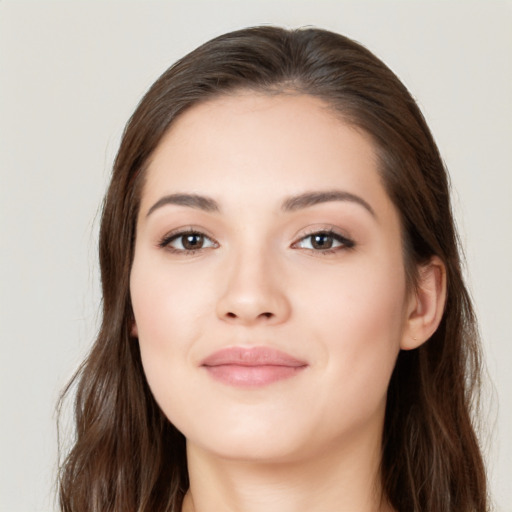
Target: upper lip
point(252, 356)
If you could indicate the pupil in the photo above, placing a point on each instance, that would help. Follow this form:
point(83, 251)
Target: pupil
point(322, 241)
point(192, 241)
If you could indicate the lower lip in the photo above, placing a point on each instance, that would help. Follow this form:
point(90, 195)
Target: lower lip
point(252, 376)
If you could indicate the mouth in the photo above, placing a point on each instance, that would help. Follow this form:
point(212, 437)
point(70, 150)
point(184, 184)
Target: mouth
point(252, 367)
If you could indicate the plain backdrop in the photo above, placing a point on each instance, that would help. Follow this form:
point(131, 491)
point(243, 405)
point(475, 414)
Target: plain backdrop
point(70, 76)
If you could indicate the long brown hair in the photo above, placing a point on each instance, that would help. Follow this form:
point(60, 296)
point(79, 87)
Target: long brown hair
point(127, 456)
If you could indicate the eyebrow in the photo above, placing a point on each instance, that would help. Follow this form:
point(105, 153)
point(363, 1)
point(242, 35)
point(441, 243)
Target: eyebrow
point(309, 199)
point(290, 204)
point(204, 203)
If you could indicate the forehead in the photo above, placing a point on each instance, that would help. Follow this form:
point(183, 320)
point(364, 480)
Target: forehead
point(255, 143)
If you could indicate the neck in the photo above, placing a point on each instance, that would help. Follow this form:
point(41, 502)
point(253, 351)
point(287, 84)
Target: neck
point(330, 482)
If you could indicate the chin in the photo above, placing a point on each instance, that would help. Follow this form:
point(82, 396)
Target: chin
point(263, 440)
point(258, 449)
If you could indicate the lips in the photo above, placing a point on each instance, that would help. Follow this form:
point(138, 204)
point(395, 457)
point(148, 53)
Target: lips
point(251, 367)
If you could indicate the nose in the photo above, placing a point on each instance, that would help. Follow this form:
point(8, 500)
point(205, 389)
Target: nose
point(253, 293)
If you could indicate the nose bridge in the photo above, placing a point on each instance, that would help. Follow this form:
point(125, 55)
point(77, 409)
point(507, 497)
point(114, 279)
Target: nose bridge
point(253, 290)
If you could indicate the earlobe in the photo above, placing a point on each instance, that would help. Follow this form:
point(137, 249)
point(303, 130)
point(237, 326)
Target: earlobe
point(134, 332)
point(426, 305)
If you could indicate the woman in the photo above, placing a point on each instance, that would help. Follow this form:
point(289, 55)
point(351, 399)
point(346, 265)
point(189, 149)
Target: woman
point(285, 325)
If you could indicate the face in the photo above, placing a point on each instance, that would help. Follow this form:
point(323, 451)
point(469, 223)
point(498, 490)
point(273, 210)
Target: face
point(268, 282)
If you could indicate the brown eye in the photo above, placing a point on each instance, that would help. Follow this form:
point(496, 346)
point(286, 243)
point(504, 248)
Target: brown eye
point(324, 241)
point(187, 242)
point(192, 241)
point(321, 241)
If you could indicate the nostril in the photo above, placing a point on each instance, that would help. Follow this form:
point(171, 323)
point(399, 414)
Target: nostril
point(267, 314)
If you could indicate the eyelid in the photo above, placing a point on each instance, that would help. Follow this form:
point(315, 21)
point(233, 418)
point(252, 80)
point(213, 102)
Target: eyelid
point(346, 240)
point(164, 241)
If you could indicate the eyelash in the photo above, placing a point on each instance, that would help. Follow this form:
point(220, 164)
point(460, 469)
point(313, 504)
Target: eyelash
point(171, 237)
point(345, 243)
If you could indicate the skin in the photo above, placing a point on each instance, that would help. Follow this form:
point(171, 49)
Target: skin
point(310, 442)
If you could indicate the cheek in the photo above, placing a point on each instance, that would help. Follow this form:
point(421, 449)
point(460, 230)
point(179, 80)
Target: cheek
point(170, 314)
point(359, 318)
point(356, 300)
point(168, 308)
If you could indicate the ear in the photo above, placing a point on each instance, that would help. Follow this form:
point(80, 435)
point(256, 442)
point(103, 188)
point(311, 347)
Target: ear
point(426, 304)
point(134, 332)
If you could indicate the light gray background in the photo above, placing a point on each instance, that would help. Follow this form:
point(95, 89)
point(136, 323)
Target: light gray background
point(71, 74)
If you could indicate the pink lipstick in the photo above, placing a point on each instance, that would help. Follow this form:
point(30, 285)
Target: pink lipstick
point(251, 367)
